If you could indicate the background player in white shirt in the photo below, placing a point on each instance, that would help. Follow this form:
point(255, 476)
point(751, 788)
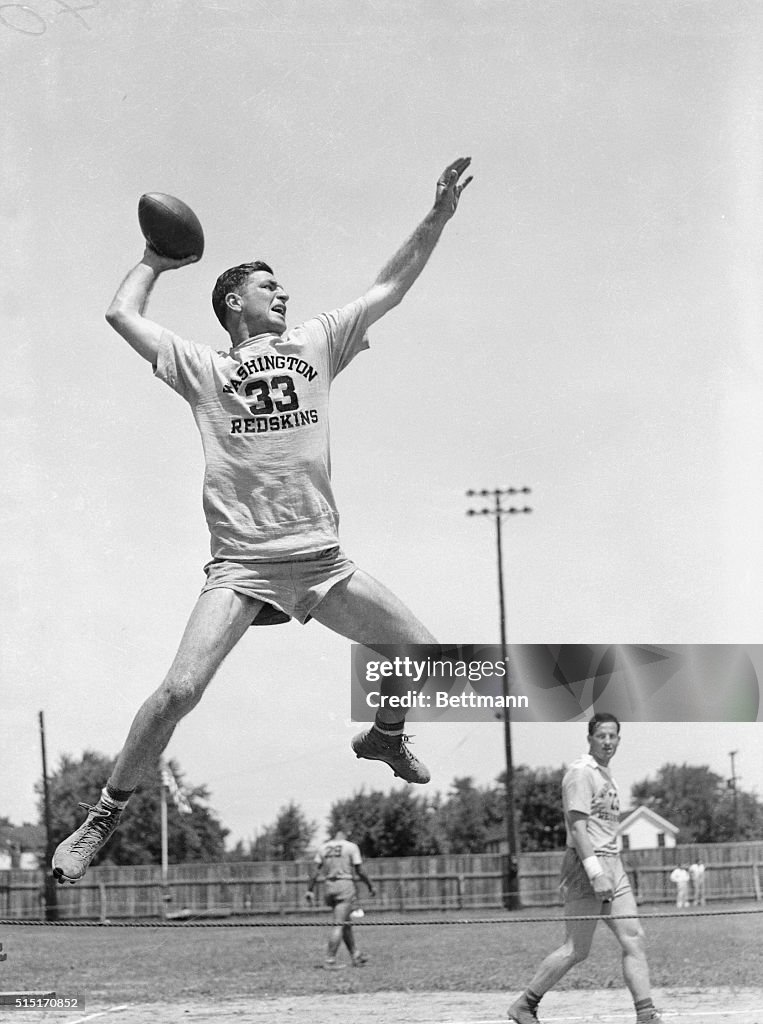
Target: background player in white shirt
point(340, 864)
point(261, 411)
point(593, 882)
point(680, 877)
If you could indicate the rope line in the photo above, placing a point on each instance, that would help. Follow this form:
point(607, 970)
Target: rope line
point(397, 922)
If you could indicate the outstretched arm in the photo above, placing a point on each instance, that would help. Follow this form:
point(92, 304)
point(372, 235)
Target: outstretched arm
point(397, 276)
point(125, 314)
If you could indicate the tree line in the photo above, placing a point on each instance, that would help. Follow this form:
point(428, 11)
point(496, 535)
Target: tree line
point(400, 823)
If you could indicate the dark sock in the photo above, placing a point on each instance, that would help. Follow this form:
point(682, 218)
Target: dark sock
point(119, 797)
point(389, 728)
point(532, 998)
point(644, 1006)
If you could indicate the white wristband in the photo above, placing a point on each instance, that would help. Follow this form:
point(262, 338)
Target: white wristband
point(592, 867)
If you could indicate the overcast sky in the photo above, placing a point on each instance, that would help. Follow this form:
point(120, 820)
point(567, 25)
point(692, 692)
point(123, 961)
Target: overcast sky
point(589, 326)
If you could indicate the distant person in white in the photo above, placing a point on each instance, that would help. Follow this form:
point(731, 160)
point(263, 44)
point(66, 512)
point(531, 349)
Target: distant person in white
point(680, 877)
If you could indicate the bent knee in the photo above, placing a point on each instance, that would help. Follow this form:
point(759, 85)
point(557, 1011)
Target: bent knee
point(635, 942)
point(179, 694)
point(577, 956)
point(576, 953)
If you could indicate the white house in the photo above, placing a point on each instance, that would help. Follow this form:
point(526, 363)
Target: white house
point(21, 846)
point(645, 829)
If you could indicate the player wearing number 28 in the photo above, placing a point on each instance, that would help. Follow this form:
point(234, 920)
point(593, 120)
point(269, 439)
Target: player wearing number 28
point(262, 411)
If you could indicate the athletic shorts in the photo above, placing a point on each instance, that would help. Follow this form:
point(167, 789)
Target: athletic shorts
point(292, 588)
point(341, 895)
point(574, 883)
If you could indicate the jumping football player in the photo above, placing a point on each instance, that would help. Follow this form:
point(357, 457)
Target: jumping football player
point(262, 411)
point(594, 883)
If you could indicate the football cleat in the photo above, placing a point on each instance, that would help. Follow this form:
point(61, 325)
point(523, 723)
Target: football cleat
point(521, 1013)
point(72, 857)
point(375, 746)
point(330, 964)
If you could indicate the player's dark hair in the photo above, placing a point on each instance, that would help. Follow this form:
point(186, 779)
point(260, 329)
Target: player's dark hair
point(599, 718)
point(229, 281)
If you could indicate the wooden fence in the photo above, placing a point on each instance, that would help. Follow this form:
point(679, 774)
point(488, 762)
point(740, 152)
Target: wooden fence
point(732, 871)
point(443, 883)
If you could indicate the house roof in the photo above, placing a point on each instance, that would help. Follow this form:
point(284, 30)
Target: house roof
point(642, 812)
point(25, 837)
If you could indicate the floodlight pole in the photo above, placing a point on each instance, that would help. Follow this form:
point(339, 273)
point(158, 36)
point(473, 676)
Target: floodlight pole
point(498, 511)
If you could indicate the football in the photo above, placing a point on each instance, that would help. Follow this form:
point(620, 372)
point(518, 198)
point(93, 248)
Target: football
point(170, 226)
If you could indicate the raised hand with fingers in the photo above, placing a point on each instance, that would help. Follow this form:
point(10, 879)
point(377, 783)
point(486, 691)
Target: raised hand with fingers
point(160, 263)
point(450, 187)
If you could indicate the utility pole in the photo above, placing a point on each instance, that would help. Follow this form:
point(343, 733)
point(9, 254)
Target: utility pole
point(51, 895)
point(498, 510)
point(734, 793)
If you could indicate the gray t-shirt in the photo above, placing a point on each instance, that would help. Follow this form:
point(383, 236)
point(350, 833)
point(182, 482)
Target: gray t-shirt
point(587, 787)
point(262, 412)
point(337, 857)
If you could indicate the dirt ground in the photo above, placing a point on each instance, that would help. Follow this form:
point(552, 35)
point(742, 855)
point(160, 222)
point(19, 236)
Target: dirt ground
point(679, 1006)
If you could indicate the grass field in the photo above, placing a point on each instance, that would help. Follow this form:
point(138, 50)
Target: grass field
point(156, 965)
